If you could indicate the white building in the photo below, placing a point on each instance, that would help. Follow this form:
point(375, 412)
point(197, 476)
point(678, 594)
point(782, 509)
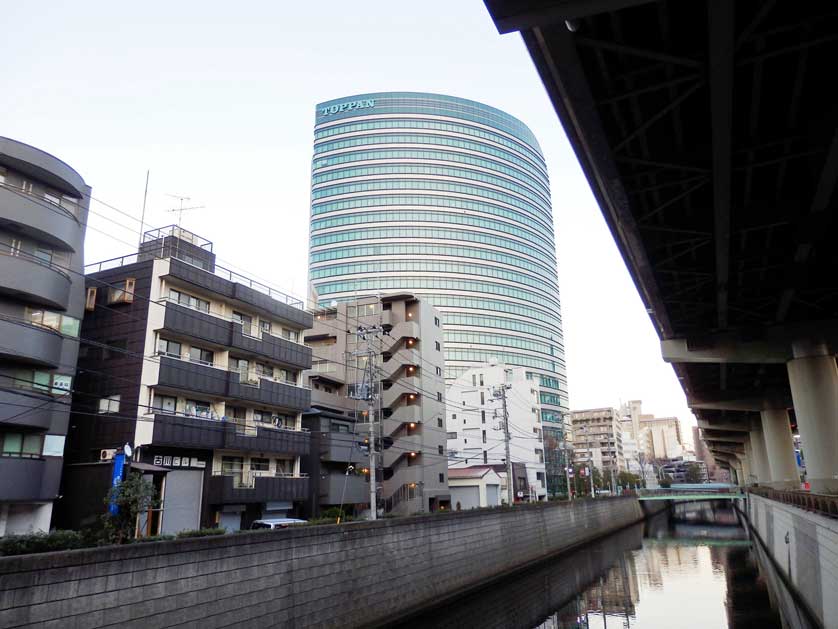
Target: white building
point(474, 487)
point(474, 421)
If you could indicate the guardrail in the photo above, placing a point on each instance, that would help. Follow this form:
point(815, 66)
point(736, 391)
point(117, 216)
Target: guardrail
point(816, 503)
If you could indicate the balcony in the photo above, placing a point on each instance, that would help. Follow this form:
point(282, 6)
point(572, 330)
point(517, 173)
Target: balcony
point(23, 479)
point(30, 344)
point(341, 447)
point(43, 411)
point(213, 329)
point(40, 219)
point(27, 278)
point(343, 489)
point(211, 434)
point(236, 287)
point(195, 377)
point(256, 489)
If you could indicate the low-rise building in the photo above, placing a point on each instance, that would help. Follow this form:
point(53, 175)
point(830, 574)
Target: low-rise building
point(199, 370)
point(598, 439)
point(407, 347)
point(678, 471)
point(476, 433)
point(474, 487)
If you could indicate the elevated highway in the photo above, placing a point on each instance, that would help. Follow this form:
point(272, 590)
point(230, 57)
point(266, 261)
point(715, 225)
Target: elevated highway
point(709, 137)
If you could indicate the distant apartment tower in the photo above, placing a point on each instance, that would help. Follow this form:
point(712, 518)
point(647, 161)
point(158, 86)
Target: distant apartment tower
point(43, 213)
point(475, 423)
point(447, 199)
point(409, 360)
point(657, 437)
point(598, 439)
point(199, 370)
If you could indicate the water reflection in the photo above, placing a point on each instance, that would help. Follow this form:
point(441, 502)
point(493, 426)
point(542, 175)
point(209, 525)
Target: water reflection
point(692, 567)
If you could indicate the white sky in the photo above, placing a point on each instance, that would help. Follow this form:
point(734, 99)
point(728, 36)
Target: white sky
point(217, 100)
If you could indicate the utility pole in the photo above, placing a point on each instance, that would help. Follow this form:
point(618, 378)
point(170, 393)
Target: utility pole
point(368, 390)
point(499, 393)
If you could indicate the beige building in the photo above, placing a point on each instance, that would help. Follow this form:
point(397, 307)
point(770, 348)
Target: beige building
point(656, 437)
point(598, 438)
point(407, 345)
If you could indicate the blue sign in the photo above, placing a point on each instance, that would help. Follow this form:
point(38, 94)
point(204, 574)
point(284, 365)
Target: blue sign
point(355, 104)
point(116, 478)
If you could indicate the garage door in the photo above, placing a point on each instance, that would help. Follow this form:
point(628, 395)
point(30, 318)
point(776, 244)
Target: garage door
point(465, 497)
point(182, 502)
point(492, 495)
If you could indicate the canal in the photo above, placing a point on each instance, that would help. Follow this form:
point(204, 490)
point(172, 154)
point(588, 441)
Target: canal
point(690, 567)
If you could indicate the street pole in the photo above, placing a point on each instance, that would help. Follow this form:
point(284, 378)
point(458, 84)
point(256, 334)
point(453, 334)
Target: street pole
point(499, 392)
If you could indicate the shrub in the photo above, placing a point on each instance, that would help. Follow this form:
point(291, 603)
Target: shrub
point(200, 533)
point(40, 542)
point(153, 538)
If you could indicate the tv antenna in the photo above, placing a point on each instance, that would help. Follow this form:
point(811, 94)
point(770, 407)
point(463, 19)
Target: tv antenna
point(180, 210)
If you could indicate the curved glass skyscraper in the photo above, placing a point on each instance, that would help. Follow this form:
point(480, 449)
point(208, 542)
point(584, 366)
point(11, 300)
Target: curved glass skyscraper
point(448, 199)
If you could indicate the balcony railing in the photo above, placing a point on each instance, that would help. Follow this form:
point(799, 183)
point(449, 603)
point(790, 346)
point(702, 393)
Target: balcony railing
point(817, 503)
point(63, 203)
point(247, 480)
point(219, 271)
point(7, 250)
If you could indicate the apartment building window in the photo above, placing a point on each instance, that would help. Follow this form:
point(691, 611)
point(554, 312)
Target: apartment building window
point(482, 396)
point(440, 449)
point(285, 466)
point(436, 321)
point(474, 379)
point(166, 347)
point(485, 457)
point(539, 476)
point(164, 403)
point(201, 356)
point(199, 408)
point(189, 301)
point(453, 415)
point(451, 435)
point(484, 436)
point(258, 464)
point(266, 371)
point(54, 383)
point(246, 322)
point(289, 376)
point(265, 326)
point(438, 396)
point(21, 445)
point(239, 365)
point(537, 432)
point(438, 346)
point(482, 417)
point(122, 292)
point(90, 300)
point(232, 465)
point(26, 186)
point(442, 478)
point(464, 421)
point(109, 404)
point(439, 422)
point(481, 379)
point(439, 371)
point(69, 326)
point(540, 455)
point(291, 335)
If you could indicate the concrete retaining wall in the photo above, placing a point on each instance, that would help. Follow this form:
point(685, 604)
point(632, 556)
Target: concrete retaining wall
point(321, 576)
point(804, 549)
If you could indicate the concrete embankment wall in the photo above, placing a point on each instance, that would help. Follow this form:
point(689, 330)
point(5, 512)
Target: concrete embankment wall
point(350, 575)
point(802, 548)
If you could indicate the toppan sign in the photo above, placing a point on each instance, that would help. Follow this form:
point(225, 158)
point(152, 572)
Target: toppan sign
point(355, 104)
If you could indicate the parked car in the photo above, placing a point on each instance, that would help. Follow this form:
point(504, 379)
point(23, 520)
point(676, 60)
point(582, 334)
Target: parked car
point(275, 523)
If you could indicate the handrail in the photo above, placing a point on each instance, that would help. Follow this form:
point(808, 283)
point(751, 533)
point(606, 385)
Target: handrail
point(6, 250)
point(42, 197)
point(822, 504)
point(218, 271)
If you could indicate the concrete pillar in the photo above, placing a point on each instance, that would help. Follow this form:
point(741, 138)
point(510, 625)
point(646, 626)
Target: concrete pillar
point(779, 447)
point(745, 473)
point(759, 456)
point(813, 376)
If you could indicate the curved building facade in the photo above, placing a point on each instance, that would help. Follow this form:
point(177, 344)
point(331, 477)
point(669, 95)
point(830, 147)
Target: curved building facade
point(43, 212)
point(448, 199)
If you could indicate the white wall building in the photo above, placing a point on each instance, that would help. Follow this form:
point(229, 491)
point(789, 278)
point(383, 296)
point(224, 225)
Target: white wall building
point(474, 421)
point(474, 487)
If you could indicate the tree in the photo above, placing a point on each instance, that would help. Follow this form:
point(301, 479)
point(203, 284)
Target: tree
point(692, 473)
point(627, 479)
point(666, 481)
point(132, 496)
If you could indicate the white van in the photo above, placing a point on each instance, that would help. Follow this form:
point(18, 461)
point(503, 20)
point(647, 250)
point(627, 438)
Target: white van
point(275, 523)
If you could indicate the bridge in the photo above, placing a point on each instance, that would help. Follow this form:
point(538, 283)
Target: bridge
point(682, 495)
point(709, 138)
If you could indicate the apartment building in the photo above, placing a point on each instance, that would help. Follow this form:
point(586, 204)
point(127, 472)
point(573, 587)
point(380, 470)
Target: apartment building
point(475, 423)
point(43, 213)
point(199, 369)
point(598, 439)
point(407, 350)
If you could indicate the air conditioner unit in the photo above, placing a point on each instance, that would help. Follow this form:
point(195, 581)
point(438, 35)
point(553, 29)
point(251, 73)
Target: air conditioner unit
point(107, 455)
